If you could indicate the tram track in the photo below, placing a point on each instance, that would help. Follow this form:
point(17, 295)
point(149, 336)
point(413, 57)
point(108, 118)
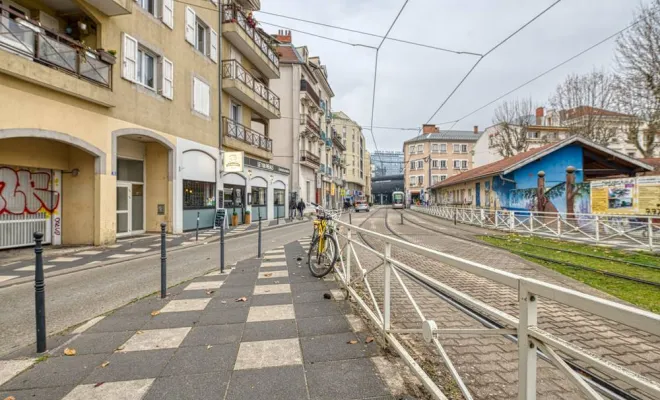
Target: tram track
point(603, 386)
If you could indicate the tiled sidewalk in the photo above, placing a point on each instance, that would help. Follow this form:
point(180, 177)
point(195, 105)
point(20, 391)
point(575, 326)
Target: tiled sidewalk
point(285, 341)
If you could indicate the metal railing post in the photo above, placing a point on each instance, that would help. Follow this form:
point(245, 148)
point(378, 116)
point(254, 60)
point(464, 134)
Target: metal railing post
point(496, 216)
point(222, 246)
point(512, 220)
point(163, 261)
point(558, 224)
point(482, 217)
point(387, 294)
point(197, 228)
point(650, 228)
point(348, 257)
point(526, 348)
point(39, 293)
point(259, 245)
point(531, 221)
point(597, 229)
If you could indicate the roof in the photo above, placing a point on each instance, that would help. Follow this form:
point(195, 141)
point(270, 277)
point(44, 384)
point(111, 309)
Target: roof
point(519, 160)
point(581, 111)
point(288, 54)
point(654, 162)
point(469, 136)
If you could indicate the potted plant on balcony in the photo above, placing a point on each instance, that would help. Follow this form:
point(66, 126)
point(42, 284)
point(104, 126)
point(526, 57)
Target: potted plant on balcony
point(108, 56)
point(251, 20)
point(234, 219)
point(247, 217)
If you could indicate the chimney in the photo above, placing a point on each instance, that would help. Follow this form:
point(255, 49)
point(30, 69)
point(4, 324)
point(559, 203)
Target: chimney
point(283, 36)
point(429, 128)
point(539, 115)
point(476, 129)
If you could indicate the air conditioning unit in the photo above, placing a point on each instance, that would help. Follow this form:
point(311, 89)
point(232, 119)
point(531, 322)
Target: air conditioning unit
point(48, 21)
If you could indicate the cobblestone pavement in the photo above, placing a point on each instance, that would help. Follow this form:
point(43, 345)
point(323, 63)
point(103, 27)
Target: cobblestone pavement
point(489, 364)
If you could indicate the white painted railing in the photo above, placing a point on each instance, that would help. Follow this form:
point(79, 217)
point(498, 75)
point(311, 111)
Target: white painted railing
point(356, 280)
point(622, 230)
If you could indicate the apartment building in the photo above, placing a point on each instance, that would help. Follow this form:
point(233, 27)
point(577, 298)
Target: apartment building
point(250, 108)
point(303, 136)
point(436, 155)
point(351, 134)
point(109, 120)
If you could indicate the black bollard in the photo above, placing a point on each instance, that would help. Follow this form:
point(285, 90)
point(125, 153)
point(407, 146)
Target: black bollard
point(163, 262)
point(259, 244)
point(350, 220)
point(39, 293)
point(197, 228)
point(455, 216)
point(222, 246)
point(402, 218)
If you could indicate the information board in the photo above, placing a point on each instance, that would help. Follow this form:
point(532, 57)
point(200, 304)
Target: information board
point(639, 195)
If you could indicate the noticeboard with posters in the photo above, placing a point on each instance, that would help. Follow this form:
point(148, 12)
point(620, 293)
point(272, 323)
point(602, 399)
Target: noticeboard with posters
point(639, 195)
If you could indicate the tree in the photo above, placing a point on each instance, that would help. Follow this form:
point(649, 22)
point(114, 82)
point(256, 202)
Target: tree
point(512, 120)
point(638, 79)
point(585, 104)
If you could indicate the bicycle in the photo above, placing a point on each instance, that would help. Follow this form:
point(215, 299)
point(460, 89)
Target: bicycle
point(324, 250)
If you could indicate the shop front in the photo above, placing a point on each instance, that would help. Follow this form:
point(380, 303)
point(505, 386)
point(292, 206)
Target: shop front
point(268, 189)
point(234, 196)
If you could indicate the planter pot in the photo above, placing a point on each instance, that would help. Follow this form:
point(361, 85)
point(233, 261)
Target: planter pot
point(248, 218)
point(107, 57)
point(234, 220)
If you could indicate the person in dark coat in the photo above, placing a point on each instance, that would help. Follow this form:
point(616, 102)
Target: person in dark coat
point(292, 209)
point(301, 207)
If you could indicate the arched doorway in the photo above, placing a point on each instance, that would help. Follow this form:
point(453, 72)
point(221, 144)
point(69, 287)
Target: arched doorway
point(279, 199)
point(198, 188)
point(50, 182)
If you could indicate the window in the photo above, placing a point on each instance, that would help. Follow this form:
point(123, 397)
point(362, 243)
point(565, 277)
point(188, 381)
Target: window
point(420, 148)
point(436, 164)
point(434, 148)
point(235, 112)
point(258, 196)
point(435, 179)
point(464, 164)
point(143, 66)
point(233, 196)
point(201, 97)
point(443, 164)
point(413, 180)
point(464, 148)
point(412, 165)
point(197, 194)
point(420, 180)
point(201, 35)
point(443, 177)
point(420, 164)
point(149, 5)
point(457, 148)
point(533, 135)
point(278, 197)
point(457, 164)
point(163, 9)
point(443, 147)
point(411, 149)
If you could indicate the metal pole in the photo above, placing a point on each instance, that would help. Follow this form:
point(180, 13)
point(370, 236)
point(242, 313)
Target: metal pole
point(401, 218)
point(163, 262)
point(259, 245)
point(197, 228)
point(526, 348)
point(39, 293)
point(455, 215)
point(222, 246)
point(350, 220)
point(387, 295)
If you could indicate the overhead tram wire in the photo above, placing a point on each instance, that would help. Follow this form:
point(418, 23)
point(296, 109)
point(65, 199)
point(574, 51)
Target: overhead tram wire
point(372, 34)
point(492, 49)
point(394, 128)
point(319, 36)
point(549, 70)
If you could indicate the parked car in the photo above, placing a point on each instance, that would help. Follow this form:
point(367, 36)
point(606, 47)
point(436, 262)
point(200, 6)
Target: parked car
point(361, 206)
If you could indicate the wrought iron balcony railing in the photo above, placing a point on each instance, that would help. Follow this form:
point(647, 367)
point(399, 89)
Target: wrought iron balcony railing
point(308, 156)
point(309, 89)
point(232, 69)
point(310, 124)
point(232, 14)
point(22, 36)
point(237, 131)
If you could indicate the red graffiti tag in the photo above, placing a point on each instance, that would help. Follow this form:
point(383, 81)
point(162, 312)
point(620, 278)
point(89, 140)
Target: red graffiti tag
point(24, 192)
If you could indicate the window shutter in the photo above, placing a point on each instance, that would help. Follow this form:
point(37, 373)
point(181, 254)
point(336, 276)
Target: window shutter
point(206, 100)
point(168, 13)
point(190, 25)
point(214, 46)
point(129, 58)
point(168, 78)
point(201, 97)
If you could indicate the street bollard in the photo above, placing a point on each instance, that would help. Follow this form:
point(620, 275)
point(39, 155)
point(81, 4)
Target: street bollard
point(222, 246)
point(197, 229)
point(259, 244)
point(401, 218)
point(455, 217)
point(39, 293)
point(163, 262)
point(350, 220)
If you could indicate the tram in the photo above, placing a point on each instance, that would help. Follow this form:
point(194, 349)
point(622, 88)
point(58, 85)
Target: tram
point(398, 200)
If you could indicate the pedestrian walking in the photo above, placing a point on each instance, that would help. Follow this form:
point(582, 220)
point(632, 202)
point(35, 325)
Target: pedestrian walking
point(301, 208)
point(292, 209)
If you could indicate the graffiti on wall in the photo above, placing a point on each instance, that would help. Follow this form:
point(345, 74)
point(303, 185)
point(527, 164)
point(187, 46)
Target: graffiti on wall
point(26, 192)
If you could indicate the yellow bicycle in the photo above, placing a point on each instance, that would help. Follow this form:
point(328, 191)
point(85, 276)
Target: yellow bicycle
point(324, 249)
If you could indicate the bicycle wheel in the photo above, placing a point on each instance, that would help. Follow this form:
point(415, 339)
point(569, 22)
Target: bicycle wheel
point(321, 261)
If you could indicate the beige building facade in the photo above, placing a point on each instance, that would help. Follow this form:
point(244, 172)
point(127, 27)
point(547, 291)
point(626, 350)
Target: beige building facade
point(354, 158)
point(434, 156)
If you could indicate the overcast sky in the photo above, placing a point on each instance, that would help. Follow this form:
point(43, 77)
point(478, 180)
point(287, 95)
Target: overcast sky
point(413, 81)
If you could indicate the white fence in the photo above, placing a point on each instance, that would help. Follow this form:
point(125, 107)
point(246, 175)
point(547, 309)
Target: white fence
point(530, 336)
point(622, 230)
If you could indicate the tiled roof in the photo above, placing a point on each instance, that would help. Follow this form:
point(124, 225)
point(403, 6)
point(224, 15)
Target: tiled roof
point(468, 136)
point(288, 54)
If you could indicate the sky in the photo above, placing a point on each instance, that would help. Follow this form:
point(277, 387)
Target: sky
point(412, 81)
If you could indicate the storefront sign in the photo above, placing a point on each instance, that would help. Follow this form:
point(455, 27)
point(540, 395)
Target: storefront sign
point(266, 166)
point(233, 161)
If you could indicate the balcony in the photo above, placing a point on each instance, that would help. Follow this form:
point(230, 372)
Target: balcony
point(310, 126)
point(249, 41)
point(336, 139)
point(238, 82)
point(112, 8)
point(42, 56)
point(310, 159)
point(309, 95)
point(243, 138)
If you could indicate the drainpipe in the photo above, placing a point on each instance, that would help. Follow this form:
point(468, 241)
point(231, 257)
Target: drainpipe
point(507, 179)
point(221, 152)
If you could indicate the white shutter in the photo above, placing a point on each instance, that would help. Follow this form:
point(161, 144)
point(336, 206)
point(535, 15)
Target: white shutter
point(129, 58)
point(201, 97)
point(206, 99)
point(214, 46)
point(191, 17)
point(168, 13)
point(168, 78)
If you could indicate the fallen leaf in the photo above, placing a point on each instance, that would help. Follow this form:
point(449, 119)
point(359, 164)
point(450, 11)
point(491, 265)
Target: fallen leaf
point(208, 347)
point(369, 339)
point(10, 398)
point(139, 332)
point(210, 292)
point(352, 342)
point(69, 352)
point(98, 384)
point(223, 302)
point(105, 364)
point(268, 274)
point(241, 299)
point(154, 313)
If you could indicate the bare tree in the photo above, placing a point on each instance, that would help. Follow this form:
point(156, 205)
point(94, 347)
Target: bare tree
point(585, 103)
point(638, 79)
point(512, 120)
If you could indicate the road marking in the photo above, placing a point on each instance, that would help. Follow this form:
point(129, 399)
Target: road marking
point(88, 253)
point(11, 368)
point(138, 250)
point(120, 255)
point(82, 328)
point(4, 278)
point(31, 267)
point(65, 259)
